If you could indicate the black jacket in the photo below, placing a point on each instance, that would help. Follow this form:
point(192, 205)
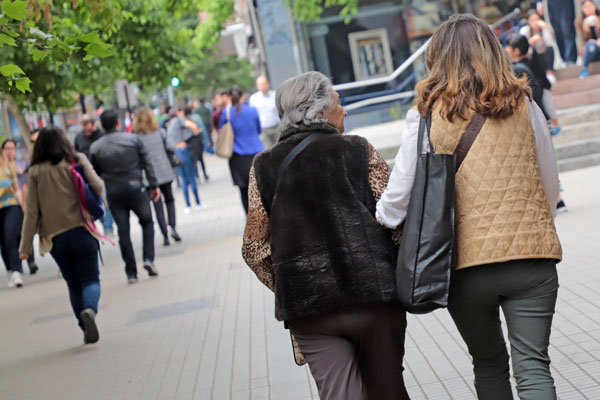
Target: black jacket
point(119, 159)
point(84, 142)
point(524, 67)
point(327, 250)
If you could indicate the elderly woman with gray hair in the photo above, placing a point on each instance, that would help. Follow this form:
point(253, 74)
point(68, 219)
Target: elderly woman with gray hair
point(312, 238)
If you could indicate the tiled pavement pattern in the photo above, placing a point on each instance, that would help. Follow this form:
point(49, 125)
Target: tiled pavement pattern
point(204, 329)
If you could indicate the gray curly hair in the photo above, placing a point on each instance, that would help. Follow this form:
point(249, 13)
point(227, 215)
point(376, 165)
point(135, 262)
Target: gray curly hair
point(300, 100)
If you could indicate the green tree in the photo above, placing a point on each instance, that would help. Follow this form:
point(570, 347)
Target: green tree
point(210, 73)
point(53, 50)
point(311, 10)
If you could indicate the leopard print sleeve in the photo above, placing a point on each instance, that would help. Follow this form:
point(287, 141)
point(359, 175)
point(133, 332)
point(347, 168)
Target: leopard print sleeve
point(379, 175)
point(256, 248)
point(379, 172)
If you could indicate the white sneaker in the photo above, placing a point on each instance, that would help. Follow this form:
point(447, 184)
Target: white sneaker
point(201, 207)
point(187, 210)
point(16, 279)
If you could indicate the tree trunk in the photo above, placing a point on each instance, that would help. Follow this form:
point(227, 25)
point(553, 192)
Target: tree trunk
point(14, 109)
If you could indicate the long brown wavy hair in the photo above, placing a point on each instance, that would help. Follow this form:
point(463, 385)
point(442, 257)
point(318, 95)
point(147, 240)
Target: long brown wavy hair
point(144, 121)
point(469, 70)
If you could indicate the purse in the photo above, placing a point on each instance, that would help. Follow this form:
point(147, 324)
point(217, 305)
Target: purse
point(171, 155)
point(426, 251)
point(91, 203)
point(224, 143)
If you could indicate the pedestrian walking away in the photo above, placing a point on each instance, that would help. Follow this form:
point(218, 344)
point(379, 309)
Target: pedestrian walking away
point(311, 237)
point(246, 142)
point(264, 102)
point(83, 141)
point(155, 140)
point(196, 143)
point(11, 218)
point(9, 147)
point(120, 159)
point(54, 212)
point(506, 246)
point(181, 131)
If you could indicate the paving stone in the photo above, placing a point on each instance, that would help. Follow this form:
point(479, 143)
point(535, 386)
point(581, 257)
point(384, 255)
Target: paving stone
point(205, 328)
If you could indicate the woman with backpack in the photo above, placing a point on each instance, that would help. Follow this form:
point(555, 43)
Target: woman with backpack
point(155, 140)
point(54, 212)
point(505, 241)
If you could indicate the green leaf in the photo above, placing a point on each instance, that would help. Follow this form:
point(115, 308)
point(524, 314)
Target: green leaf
point(38, 54)
point(22, 84)
point(91, 37)
point(9, 70)
point(99, 50)
point(5, 39)
point(15, 9)
point(11, 32)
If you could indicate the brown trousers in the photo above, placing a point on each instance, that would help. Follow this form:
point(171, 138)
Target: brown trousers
point(355, 355)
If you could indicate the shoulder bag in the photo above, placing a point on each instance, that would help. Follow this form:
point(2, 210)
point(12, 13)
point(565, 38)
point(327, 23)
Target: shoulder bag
point(224, 144)
point(426, 250)
point(171, 155)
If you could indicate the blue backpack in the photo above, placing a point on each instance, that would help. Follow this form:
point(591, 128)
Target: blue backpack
point(91, 203)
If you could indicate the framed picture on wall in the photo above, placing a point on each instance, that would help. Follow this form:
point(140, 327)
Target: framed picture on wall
point(371, 55)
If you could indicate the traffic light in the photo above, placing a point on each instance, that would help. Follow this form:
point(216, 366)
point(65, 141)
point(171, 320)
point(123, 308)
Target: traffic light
point(175, 81)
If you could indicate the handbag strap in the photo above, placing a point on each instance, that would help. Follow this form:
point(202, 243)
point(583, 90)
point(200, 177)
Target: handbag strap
point(295, 151)
point(468, 138)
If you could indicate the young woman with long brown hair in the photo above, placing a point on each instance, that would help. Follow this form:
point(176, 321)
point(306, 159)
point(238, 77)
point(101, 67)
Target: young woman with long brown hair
point(146, 126)
point(54, 212)
point(506, 190)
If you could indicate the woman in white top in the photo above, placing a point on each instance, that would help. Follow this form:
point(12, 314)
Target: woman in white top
point(541, 39)
point(506, 247)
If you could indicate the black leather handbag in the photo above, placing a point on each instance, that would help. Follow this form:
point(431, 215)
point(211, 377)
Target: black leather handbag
point(427, 246)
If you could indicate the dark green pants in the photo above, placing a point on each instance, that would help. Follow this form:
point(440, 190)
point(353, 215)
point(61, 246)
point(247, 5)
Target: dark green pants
point(526, 290)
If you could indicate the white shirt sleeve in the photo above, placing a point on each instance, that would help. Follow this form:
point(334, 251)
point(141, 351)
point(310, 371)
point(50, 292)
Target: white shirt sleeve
point(545, 155)
point(391, 208)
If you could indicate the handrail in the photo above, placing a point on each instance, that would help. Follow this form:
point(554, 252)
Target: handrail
point(378, 100)
point(376, 81)
point(404, 66)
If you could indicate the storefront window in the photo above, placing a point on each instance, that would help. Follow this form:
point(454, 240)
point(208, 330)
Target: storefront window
point(385, 32)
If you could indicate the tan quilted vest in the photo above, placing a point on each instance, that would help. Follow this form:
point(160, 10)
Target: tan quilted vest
point(502, 213)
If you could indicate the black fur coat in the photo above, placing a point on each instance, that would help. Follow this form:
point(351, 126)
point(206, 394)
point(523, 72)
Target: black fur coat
point(328, 252)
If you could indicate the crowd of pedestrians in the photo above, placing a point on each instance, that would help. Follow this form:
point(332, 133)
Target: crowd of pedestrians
point(325, 212)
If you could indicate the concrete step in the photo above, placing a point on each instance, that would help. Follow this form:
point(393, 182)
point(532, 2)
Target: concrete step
point(570, 164)
point(577, 149)
point(581, 98)
point(572, 72)
point(575, 133)
point(575, 85)
point(578, 115)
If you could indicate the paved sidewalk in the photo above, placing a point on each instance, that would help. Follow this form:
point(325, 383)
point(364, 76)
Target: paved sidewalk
point(204, 329)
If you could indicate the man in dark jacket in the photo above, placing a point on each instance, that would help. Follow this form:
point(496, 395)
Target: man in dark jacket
point(120, 159)
point(83, 142)
point(89, 134)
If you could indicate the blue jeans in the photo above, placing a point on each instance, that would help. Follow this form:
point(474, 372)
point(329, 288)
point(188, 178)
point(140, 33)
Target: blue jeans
point(11, 219)
point(562, 15)
point(591, 54)
point(76, 253)
point(107, 220)
point(188, 174)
